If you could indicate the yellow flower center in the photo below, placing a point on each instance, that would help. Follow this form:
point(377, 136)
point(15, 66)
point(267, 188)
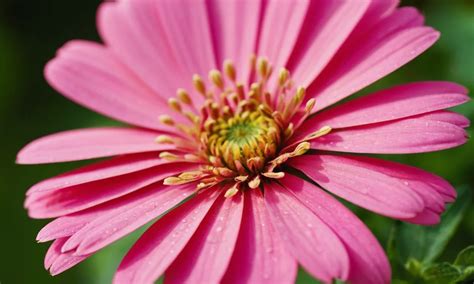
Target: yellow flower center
point(239, 134)
point(248, 139)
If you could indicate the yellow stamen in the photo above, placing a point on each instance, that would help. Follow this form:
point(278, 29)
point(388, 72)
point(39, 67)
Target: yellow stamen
point(274, 175)
point(216, 77)
point(321, 132)
point(231, 191)
point(168, 156)
point(255, 182)
point(229, 70)
point(174, 104)
point(199, 84)
point(166, 119)
point(164, 139)
point(283, 77)
point(183, 96)
point(173, 181)
point(192, 175)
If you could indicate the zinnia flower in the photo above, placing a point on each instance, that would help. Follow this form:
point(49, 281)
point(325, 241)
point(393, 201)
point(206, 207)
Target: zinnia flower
point(236, 134)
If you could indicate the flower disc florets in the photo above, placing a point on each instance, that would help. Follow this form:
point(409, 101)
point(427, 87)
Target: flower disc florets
point(240, 132)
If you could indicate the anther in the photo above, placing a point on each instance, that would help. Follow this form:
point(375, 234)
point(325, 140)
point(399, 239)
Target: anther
point(255, 182)
point(173, 181)
point(164, 139)
point(241, 178)
point(300, 93)
point(263, 67)
point(191, 175)
point(216, 77)
point(174, 104)
point(283, 76)
point(301, 149)
point(309, 105)
point(232, 191)
point(183, 96)
point(273, 175)
point(168, 156)
point(199, 84)
point(321, 132)
point(229, 70)
point(166, 119)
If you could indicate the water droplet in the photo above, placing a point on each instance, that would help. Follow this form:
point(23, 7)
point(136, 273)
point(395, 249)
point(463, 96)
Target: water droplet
point(219, 229)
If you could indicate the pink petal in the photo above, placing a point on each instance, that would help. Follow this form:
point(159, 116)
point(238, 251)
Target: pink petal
point(367, 57)
point(118, 223)
point(159, 246)
point(89, 143)
point(448, 117)
point(207, 255)
point(57, 262)
point(394, 103)
point(260, 255)
point(90, 75)
point(417, 134)
point(306, 237)
point(368, 263)
point(68, 225)
point(384, 187)
point(98, 171)
point(148, 36)
point(325, 29)
point(427, 217)
point(281, 24)
point(235, 25)
point(79, 197)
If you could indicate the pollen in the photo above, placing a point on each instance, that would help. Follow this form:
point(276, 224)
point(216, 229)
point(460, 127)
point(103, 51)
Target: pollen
point(239, 134)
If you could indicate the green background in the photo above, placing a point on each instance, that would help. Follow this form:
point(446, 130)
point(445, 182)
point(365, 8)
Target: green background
point(31, 31)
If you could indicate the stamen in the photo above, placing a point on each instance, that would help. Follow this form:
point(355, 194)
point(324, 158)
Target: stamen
point(192, 175)
point(264, 69)
point(216, 77)
point(173, 181)
point(199, 85)
point(283, 76)
point(309, 105)
point(229, 70)
point(274, 175)
point(168, 156)
point(255, 182)
point(232, 191)
point(241, 178)
point(174, 104)
point(321, 132)
point(164, 139)
point(183, 96)
point(166, 119)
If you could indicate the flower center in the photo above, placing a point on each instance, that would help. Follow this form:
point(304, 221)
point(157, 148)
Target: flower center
point(240, 134)
point(247, 140)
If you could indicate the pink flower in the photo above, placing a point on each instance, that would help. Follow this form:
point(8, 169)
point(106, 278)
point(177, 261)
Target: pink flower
point(223, 160)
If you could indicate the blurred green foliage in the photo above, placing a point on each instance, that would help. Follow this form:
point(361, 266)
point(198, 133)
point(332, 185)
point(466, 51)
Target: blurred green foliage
point(31, 31)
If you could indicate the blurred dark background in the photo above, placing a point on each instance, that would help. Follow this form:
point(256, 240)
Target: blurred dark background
point(31, 31)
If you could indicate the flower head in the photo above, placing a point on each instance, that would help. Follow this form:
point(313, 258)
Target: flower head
point(236, 133)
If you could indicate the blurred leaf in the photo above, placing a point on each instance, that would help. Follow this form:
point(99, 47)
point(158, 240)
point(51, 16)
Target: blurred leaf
point(465, 257)
point(468, 273)
point(441, 273)
point(426, 243)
